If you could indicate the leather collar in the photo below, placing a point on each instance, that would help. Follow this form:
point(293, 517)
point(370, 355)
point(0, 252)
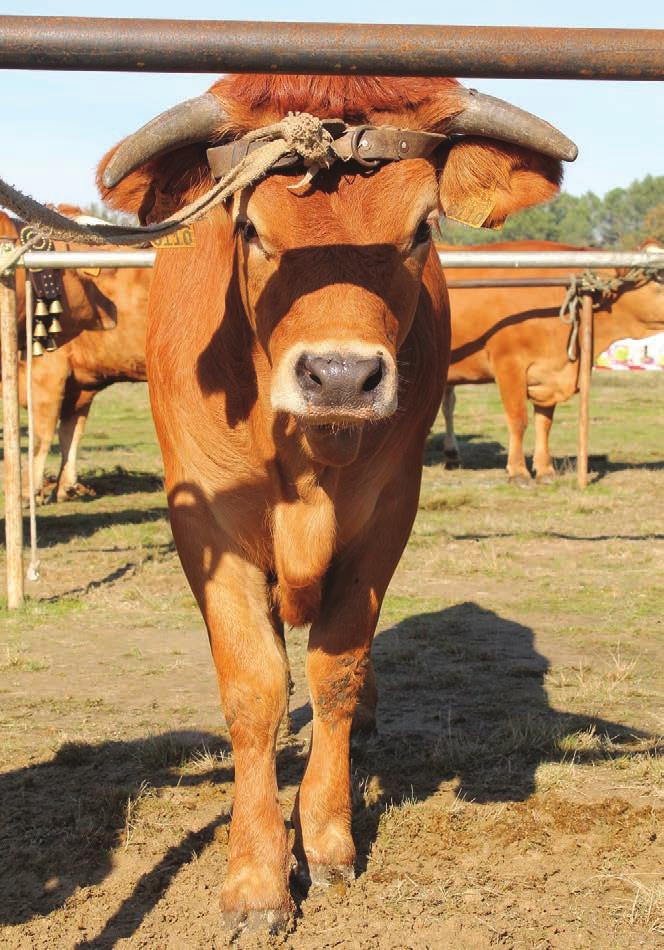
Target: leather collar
point(368, 145)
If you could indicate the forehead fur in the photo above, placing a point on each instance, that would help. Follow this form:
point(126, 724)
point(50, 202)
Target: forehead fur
point(255, 100)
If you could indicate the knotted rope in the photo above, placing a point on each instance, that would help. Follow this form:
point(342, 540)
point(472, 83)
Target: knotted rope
point(602, 289)
point(299, 134)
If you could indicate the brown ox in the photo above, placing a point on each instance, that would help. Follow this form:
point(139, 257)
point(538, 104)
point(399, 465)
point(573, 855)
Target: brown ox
point(514, 336)
point(102, 342)
point(278, 351)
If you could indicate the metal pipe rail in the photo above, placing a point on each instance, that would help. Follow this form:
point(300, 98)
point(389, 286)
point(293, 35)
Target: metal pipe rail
point(218, 46)
point(454, 259)
point(551, 259)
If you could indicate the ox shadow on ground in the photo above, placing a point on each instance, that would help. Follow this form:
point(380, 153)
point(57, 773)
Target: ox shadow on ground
point(462, 701)
point(57, 525)
point(62, 820)
point(117, 481)
point(478, 453)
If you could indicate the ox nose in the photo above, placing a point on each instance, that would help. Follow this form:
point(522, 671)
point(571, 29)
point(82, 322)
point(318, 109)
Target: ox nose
point(332, 380)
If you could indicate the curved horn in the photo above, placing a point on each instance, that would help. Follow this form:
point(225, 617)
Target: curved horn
point(494, 118)
point(185, 124)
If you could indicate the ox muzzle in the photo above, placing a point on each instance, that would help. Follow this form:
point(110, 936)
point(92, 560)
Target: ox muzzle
point(328, 385)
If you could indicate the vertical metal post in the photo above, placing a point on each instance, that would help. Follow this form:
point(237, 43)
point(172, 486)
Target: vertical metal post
point(585, 367)
point(11, 440)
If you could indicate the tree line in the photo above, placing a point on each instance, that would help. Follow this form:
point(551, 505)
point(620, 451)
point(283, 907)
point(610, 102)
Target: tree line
point(624, 217)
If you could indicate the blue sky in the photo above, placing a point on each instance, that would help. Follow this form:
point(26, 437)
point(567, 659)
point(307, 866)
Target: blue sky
point(57, 125)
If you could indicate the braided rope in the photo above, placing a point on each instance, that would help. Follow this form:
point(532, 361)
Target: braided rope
point(298, 133)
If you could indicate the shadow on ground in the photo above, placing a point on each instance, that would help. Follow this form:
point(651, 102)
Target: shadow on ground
point(462, 700)
point(116, 481)
point(58, 524)
point(478, 454)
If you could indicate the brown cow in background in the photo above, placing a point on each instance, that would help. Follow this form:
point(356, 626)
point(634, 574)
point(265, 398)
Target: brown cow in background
point(514, 336)
point(296, 359)
point(102, 342)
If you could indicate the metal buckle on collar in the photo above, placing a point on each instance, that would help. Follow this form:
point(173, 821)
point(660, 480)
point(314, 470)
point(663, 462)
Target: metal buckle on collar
point(357, 142)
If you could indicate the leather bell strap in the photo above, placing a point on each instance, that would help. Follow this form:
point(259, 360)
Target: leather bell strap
point(368, 145)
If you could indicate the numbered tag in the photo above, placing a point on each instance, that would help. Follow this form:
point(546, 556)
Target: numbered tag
point(182, 238)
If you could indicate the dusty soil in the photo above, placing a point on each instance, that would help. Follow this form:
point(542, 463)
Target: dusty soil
point(513, 797)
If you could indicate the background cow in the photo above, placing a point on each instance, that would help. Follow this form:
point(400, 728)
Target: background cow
point(514, 336)
point(296, 359)
point(102, 342)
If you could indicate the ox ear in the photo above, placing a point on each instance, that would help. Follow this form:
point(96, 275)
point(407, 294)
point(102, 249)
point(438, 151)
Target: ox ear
point(160, 186)
point(484, 180)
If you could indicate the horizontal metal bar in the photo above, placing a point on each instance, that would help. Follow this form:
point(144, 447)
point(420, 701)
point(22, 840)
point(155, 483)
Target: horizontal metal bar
point(452, 259)
point(59, 260)
point(480, 282)
point(553, 259)
point(204, 46)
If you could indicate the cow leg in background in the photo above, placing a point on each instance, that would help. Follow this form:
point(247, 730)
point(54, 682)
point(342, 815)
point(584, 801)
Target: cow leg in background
point(337, 663)
point(450, 445)
point(73, 416)
point(49, 375)
point(511, 379)
point(252, 673)
point(542, 461)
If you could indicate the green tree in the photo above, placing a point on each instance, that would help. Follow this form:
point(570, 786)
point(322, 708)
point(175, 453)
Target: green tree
point(617, 220)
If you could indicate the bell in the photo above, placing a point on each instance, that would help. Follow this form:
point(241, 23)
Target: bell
point(37, 348)
point(55, 307)
point(39, 331)
point(50, 344)
point(55, 326)
point(41, 310)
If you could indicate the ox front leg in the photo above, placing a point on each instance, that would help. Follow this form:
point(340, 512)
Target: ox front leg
point(342, 685)
point(252, 673)
point(511, 379)
point(49, 375)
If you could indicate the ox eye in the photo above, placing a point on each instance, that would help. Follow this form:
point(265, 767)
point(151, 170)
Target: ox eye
point(249, 232)
point(423, 233)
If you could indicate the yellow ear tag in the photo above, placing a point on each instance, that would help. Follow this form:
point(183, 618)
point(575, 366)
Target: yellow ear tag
point(184, 237)
point(90, 271)
point(473, 208)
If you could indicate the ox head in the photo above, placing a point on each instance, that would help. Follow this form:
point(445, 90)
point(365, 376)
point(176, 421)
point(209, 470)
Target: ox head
point(330, 274)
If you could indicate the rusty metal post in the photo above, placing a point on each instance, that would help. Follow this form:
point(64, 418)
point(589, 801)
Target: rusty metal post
point(585, 368)
point(11, 441)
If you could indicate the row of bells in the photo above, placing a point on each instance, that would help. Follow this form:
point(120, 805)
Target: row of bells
point(43, 334)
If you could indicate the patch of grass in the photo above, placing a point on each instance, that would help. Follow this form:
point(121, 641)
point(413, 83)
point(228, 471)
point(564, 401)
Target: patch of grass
point(448, 502)
point(14, 661)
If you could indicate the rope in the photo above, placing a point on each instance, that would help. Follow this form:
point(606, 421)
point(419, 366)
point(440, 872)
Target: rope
point(298, 133)
point(600, 287)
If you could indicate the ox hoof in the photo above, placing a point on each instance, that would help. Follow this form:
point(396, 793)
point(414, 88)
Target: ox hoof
point(325, 875)
point(74, 492)
point(547, 479)
point(452, 460)
point(521, 481)
point(256, 921)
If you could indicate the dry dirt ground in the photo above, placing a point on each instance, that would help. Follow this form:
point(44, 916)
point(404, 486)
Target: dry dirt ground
point(514, 795)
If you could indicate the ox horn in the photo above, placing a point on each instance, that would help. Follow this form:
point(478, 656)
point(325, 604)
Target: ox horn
point(494, 118)
point(194, 120)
